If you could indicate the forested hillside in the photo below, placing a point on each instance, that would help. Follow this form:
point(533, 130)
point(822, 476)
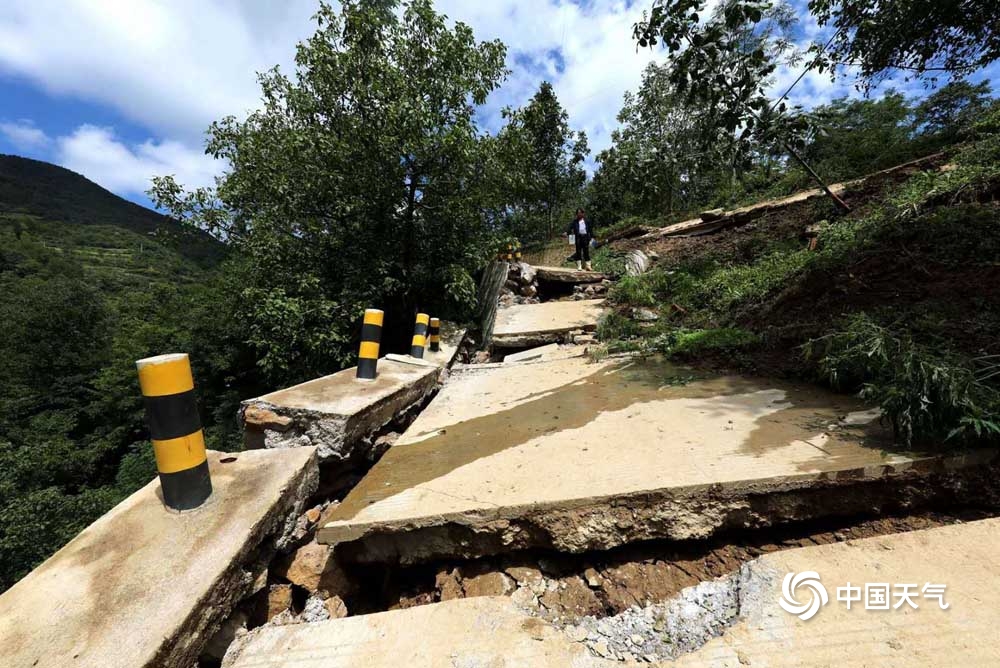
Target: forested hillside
point(88, 284)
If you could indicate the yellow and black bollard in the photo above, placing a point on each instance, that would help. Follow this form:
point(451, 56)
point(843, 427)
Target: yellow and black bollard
point(435, 335)
point(510, 253)
point(175, 428)
point(371, 336)
point(420, 336)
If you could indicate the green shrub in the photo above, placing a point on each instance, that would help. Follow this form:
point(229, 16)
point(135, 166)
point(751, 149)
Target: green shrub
point(609, 261)
point(699, 341)
point(647, 289)
point(614, 326)
point(924, 395)
point(733, 286)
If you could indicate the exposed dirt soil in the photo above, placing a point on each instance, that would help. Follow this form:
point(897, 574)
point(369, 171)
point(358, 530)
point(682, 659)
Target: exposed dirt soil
point(565, 587)
point(952, 301)
point(788, 222)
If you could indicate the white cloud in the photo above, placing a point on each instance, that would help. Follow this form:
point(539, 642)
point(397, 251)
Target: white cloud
point(96, 153)
point(23, 135)
point(175, 67)
point(594, 42)
point(172, 67)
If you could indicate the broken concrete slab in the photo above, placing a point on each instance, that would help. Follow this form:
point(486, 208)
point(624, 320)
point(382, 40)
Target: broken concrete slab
point(567, 275)
point(961, 557)
point(486, 631)
point(335, 413)
point(531, 354)
point(539, 324)
point(451, 339)
point(732, 622)
point(146, 586)
point(575, 456)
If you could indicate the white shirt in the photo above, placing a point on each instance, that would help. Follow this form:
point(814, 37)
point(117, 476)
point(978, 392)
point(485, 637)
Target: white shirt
point(581, 226)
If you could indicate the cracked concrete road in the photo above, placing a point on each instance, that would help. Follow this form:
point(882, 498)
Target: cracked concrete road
point(593, 455)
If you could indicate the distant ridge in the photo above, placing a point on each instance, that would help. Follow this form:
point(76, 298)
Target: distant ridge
point(58, 194)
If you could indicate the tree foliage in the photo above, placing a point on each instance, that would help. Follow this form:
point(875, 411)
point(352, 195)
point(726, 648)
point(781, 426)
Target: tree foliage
point(723, 66)
point(921, 38)
point(361, 182)
point(540, 164)
point(658, 164)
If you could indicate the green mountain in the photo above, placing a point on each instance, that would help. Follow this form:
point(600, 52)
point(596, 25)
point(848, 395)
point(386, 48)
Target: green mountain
point(119, 243)
point(89, 283)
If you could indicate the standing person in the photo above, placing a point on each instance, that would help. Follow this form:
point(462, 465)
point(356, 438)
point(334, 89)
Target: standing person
point(583, 229)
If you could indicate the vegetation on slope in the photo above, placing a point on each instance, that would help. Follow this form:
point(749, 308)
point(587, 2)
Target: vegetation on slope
point(898, 300)
point(89, 283)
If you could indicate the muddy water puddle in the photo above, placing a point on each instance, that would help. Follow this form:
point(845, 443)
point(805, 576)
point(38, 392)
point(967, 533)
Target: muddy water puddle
point(782, 411)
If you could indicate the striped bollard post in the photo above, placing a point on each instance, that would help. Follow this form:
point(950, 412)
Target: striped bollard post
point(435, 331)
point(510, 253)
point(371, 336)
point(517, 251)
point(175, 429)
point(420, 336)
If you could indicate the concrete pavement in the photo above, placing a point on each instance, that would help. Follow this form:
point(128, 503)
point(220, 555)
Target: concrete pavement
point(961, 557)
point(472, 632)
point(575, 456)
point(568, 275)
point(538, 324)
point(336, 412)
point(146, 586)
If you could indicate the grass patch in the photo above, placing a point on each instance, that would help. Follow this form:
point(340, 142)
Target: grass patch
point(701, 341)
point(608, 261)
point(928, 397)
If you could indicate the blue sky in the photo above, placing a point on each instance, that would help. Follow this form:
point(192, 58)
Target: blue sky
point(121, 90)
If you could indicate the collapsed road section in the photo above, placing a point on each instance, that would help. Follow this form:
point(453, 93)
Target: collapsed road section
point(573, 456)
point(147, 586)
point(732, 622)
point(526, 325)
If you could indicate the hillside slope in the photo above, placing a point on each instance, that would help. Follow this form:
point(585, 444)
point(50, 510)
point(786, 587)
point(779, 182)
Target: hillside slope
point(89, 283)
point(33, 192)
point(897, 300)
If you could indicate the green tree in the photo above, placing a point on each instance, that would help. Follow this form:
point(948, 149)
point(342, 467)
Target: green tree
point(542, 159)
point(948, 114)
point(922, 38)
point(856, 137)
point(724, 66)
point(662, 159)
point(358, 184)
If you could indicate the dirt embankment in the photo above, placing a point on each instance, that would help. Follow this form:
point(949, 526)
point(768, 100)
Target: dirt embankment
point(566, 587)
point(937, 278)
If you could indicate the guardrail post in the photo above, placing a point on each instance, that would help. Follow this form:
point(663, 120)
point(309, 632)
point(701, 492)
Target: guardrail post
point(435, 331)
point(419, 336)
point(175, 429)
point(371, 337)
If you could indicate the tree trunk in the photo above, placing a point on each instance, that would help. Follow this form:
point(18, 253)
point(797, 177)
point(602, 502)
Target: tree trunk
point(409, 239)
point(839, 202)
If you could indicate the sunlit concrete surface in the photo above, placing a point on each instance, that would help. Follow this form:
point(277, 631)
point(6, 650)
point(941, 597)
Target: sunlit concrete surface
point(526, 325)
point(469, 632)
point(334, 413)
point(146, 586)
point(575, 455)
